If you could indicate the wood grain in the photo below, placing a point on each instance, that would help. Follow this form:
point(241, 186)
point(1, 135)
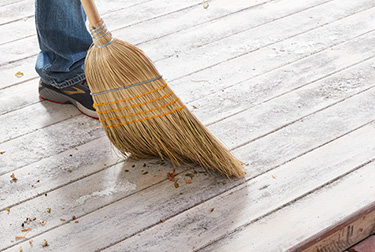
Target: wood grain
point(288, 85)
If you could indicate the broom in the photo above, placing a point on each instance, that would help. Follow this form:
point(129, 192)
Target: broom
point(140, 114)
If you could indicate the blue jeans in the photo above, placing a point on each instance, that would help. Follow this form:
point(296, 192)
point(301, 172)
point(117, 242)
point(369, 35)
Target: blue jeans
point(63, 41)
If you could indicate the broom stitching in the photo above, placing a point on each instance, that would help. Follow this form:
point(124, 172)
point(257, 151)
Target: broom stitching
point(99, 31)
point(144, 119)
point(125, 87)
point(102, 35)
point(136, 105)
point(141, 112)
point(97, 28)
point(131, 98)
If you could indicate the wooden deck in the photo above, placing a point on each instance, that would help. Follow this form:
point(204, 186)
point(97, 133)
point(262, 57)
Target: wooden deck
point(287, 85)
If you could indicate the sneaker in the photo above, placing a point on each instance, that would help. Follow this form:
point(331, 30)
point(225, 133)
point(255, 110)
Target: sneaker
point(78, 95)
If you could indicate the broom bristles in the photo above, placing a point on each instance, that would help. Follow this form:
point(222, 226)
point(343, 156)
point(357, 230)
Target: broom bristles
point(148, 120)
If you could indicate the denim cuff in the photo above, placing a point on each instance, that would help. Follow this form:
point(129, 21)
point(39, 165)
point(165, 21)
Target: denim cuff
point(67, 83)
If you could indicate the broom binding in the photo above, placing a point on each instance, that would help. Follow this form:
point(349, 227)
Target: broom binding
point(128, 86)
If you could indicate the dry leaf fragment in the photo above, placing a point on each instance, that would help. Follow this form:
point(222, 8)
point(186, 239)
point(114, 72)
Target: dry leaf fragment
point(21, 249)
point(19, 74)
point(189, 175)
point(176, 185)
point(14, 179)
point(31, 243)
point(62, 219)
point(26, 229)
point(212, 209)
point(171, 176)
point(188, 181)
point(45, 244)
point(205, 4)
point(8, 209)
point(21, 236)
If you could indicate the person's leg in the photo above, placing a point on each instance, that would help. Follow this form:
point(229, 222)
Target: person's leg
point(63, 41)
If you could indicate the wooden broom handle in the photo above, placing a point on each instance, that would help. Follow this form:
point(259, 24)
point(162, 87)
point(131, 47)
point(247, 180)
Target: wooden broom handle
point(91, 12)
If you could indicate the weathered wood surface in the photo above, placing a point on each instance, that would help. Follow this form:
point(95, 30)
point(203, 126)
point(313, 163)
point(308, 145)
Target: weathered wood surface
point(350, 231)
point(287, 85)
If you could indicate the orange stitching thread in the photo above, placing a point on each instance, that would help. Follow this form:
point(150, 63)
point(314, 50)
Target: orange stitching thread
point(135, 105)
point(144, 119)
point(131, 98)
point(141, 112)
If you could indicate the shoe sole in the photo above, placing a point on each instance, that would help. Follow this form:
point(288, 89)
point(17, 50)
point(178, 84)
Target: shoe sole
point(52, 96)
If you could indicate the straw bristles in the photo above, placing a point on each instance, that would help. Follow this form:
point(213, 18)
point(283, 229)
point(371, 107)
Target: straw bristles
point(149, 120)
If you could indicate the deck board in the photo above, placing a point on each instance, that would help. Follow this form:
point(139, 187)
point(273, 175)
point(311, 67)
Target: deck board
point(287, 85)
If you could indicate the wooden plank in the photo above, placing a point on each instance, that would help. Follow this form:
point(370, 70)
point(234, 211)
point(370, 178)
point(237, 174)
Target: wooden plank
point(166, 28)
point(106, 185)
point(255, 62)
point(141, 13)
point(361, 104)
point(227, 136)
point(305, 217)
point(228, 97)
point(6, 2)
point(14, 31)
point(11, 70)
point(287, 98)
point(188, 223)
point(22, 121)
point(284, 137)
point(24, 9)
point(203, 91)
point(52, 140)
point(307, 134)
point(258, 121)
point(197, 18)
point(198, 227)
point(262, 151)
point(99, 201)
point(348, 232)
point(82, 161)
point(25, 66)
point(14, 97)
point(23, 27)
